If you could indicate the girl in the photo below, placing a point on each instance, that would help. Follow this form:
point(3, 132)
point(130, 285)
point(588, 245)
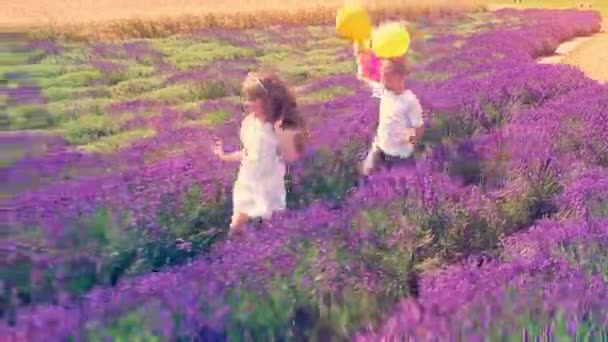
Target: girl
point(267, 134)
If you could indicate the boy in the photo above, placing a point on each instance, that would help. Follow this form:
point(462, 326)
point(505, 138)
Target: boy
point(400, 124)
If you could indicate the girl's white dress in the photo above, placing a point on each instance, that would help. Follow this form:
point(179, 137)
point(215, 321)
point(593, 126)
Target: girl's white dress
point(259, 189)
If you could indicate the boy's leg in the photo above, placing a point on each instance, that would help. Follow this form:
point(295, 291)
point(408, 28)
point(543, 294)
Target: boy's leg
point(372, 160)
point(257, 222)
point(392, 161)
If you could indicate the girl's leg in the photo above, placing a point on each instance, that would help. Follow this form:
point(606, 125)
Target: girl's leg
point(237, 222)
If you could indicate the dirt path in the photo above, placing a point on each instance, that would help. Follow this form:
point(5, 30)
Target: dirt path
point(592, 55)
point(563, 50)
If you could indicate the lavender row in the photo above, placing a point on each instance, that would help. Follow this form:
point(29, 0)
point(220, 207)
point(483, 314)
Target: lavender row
point(273, 245)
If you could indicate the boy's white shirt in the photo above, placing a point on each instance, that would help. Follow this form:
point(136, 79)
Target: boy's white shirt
point(400, 115)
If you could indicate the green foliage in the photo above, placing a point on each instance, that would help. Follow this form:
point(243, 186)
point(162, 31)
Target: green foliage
point(10, 155)
point(213, 118)
point(136, 71)
point(469, 170)
point(74, 79)
point(209, 89)
point(128, 71)
point(103, 248)
point(326, 94)
point(89, 128)
point(591, 256)
point(90, 251)
point(535, 202)
point(304, 72)
point(599, 208)
point(217, 117)
point(87, 123)
point(430, 76)
point(112, 143)
point(74, 55)
point(451, 127)
point(534, 326)
point(131, 327)
point(67, 110)
point(315, 63)
point(572, 141)
point(80, 276)
point(58, 93)
point(102, 235)
point(289, 309)
point(189, 92)
point(188, 54)
point(193, 212)
point(136, 86)
point(115, 77)
point(497, 117)
point(326, 175)
point(407, 235)
point(12, 58)
point(190, 229)
point(390, 253)
point(29, 116)
point(511, 322)
point(34, 71)
point(261, 318)
point(16, 289)
point(275, 54)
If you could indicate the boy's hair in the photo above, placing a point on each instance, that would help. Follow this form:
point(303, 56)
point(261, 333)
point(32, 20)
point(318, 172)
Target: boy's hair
point(395, 66)
point(278, 99)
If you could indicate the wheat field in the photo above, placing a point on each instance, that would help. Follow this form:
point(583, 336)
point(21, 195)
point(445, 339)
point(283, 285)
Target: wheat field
point(112, 19)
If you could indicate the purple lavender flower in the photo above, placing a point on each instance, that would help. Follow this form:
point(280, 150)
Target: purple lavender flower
point(24, 94)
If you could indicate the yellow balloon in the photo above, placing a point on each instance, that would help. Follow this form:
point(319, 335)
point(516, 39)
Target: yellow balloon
point(363, 45)
point(390, 40)
point(353, 23)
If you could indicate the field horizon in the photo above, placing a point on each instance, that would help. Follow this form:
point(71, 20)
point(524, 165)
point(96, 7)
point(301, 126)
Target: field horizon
point(108, 20)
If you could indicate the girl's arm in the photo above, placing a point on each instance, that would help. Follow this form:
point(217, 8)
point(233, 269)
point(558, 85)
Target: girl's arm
point(218, 150)
point(419, 132)
point(236, 156)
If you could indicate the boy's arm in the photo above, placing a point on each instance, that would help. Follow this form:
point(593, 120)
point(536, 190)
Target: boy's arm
point(374, 85)
point(416, 120)
point(360, 76)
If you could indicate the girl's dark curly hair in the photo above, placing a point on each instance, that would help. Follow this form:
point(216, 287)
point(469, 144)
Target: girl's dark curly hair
point(279, 100)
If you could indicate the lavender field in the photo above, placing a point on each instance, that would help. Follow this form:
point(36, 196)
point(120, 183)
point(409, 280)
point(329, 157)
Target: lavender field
point(116, 210)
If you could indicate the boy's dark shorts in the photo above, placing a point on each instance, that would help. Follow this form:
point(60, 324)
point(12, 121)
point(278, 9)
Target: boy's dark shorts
point(376, 158)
